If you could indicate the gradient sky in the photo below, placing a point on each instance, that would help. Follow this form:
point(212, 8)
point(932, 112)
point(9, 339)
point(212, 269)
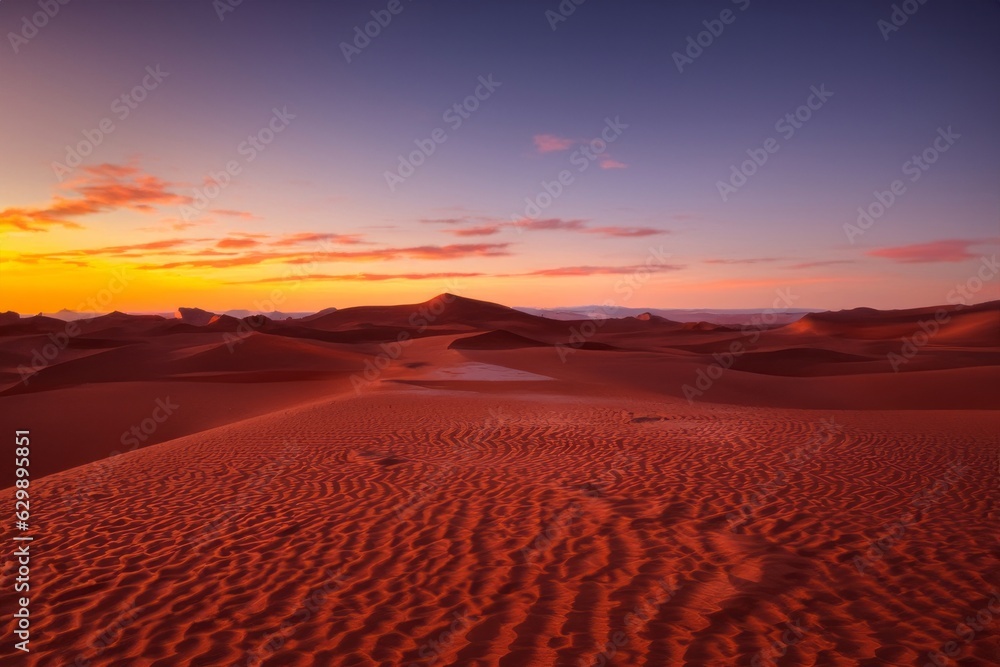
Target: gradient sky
point(311, 219)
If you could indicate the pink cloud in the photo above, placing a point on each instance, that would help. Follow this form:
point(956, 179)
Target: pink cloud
point(748, 260)
point(625, 231)
point(611, 163)
point(550, 143)
point(571, 271)
point(947, 250)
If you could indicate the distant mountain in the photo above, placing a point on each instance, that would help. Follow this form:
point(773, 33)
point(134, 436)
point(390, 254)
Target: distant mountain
point(271, 315)
point(712, 316)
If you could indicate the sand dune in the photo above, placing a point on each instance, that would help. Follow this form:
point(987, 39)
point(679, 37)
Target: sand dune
point(488, 487)
point(535, 526)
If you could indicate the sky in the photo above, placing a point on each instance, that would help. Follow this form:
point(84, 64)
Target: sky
point(273, 155)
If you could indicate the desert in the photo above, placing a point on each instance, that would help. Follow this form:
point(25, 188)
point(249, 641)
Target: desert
point(488, 497)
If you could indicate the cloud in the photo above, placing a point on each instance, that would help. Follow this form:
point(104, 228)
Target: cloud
point(568, 271)
point(446, 221)
point(550, 143)
point(947, 250)
point(232, 213)
point(748, 260)
point(611, 163)
point(546, 224)
point(359, 277)
point(98, 189)
point(456, 251)
point(163, 246)
point(237, 243)
point(625, 231)
point(828, 262)
point(553, 224)
point(482, 230)
point(319, 237)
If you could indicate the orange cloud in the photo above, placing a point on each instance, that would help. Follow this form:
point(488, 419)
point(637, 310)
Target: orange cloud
point(828, 262)
point(100, 188)
point(135, 250)
point(317, 237)
point(610, 163)
point(457, 251)
point(360, 277)
point(232, 213)
point(237, 243)
point(947, 250)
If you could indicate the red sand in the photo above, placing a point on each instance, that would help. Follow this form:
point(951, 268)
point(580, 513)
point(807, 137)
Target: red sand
point(375, 503)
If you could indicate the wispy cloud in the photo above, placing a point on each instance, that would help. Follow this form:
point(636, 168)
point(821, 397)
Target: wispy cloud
point(746, 260)
point(827, 262)
point(319, 237)
point(947, 250)
point(428, 252)
point(232, 213)
point(611, 163)
point(552, 224)
point(625, 231)
point(358, 277)
point(98, 189)
point(237, 243)
point(550, 143)
point(568, 271)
